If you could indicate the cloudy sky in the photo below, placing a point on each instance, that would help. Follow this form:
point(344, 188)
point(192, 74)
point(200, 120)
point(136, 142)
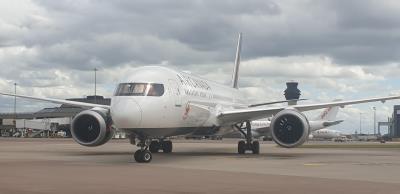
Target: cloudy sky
point(335, 49)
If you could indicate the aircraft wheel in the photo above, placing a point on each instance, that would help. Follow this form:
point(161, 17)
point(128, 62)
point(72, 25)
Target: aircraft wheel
point(256, 147)
point(154, 146)
point(241, 147)
point(167, 146)
point(137, 156)
point(145, 156)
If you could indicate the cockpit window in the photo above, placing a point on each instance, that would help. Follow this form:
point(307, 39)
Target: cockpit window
point(139, 89)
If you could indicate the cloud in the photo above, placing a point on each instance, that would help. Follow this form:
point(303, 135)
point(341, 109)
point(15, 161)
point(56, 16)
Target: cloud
point(304, 66)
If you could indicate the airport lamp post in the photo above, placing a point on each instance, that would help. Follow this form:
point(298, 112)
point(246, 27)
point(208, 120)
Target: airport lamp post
point(95, 84)
point(360, 123)
point(374, 119)
point(15, 104)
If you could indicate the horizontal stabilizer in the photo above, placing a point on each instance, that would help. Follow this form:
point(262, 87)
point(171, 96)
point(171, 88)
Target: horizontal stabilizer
point(331, 123)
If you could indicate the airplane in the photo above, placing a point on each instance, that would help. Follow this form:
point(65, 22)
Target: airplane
point(325, 134)
point(155, 103)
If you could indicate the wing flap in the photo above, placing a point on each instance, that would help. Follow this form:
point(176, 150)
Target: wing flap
point(241, 115)
point(276, 102)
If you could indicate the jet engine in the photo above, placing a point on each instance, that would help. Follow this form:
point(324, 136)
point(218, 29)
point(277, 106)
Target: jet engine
point(289, 128)
point(92, 128)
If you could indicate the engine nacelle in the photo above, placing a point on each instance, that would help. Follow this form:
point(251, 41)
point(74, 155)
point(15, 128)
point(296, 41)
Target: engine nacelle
point(91, 128)
point(289, 128)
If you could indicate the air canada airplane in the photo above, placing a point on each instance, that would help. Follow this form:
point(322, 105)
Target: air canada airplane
point(155, 103)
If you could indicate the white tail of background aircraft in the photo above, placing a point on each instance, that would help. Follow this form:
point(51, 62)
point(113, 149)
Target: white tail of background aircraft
point(329, 113)
point(155, 103)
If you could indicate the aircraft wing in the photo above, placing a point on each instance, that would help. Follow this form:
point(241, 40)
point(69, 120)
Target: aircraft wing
point(250, 114)
point(57, 101)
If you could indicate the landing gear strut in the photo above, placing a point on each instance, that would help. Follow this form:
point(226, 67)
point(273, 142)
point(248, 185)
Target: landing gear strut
point(165, 146)
point(249, 144)
point(143, 155)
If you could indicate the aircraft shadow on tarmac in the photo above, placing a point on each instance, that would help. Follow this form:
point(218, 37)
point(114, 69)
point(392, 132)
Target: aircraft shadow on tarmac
point(215, 153)
point(125, 156)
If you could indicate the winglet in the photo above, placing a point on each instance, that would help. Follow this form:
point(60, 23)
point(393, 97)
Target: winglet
point(235, 75)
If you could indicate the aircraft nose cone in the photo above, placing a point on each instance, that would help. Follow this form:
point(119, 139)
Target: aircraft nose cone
point(126, 113)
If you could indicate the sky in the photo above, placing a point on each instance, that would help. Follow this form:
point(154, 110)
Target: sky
point(334, 49)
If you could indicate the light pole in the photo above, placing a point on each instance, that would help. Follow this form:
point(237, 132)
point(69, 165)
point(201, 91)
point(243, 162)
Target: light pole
point(374, 119)
point(15, 99)
point(95, 84)
point(360, 123)
point(15, 104)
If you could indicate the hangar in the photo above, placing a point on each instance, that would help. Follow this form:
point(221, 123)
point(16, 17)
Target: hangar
point(394, 129)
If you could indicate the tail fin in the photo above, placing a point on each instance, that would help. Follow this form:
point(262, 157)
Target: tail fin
point(235, 75)
point(329, 114)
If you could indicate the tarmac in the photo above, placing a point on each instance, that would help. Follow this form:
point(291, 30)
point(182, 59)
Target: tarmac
point(63, 166)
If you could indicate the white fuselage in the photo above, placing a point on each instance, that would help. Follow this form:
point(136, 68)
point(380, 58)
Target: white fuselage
point(171, 113)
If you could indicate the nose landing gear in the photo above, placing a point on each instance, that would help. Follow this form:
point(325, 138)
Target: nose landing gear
point(143, 155)
point(147, 147)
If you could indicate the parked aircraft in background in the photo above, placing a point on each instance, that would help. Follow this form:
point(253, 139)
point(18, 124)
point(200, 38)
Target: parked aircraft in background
point(155, 103)
point(327, 134)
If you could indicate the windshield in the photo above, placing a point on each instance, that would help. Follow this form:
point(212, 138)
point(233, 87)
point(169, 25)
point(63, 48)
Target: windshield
point(139, 89)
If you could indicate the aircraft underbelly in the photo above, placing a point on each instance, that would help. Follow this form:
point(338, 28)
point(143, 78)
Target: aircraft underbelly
point(167, 132)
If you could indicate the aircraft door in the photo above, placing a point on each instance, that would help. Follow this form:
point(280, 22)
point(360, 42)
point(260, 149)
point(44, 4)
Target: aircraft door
point(175, 90)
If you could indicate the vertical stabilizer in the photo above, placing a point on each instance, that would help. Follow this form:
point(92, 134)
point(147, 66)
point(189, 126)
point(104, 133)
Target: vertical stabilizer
point(235, 75)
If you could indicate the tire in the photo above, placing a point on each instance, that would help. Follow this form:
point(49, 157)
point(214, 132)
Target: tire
point(146, 156)
point(154, 146)
point(241, 147)
point(167, 146)
point(256, 147)
point(137, 156)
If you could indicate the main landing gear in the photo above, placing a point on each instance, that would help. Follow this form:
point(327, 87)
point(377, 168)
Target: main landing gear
point(147, 147)
point(165, 146)
point(249, 144)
